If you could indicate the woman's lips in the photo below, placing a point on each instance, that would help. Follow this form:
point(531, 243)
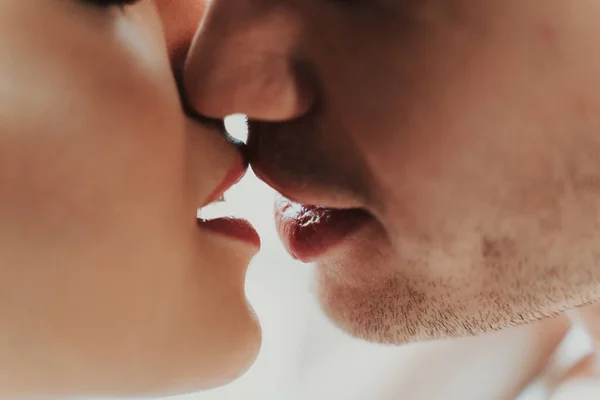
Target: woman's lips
point(309, 232)
point(233, 176)
point(234, 228)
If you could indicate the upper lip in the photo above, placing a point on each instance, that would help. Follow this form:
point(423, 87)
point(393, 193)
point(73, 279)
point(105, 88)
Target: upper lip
point(233, 176)
point(264, 176)
point(301, 189)
point(238, 169)
point(304, 198)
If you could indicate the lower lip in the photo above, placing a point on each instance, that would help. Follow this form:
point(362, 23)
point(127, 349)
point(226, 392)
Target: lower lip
point(234, 228)
point(309, 232)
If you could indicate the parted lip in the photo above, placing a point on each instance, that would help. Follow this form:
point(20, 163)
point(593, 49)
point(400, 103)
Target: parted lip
point(234, 228)
point(239, 166)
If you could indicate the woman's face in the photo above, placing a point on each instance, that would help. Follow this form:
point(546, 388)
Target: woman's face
point(101, 173)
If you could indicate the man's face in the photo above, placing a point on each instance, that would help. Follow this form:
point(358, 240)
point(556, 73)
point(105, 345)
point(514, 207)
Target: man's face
point(465, 132)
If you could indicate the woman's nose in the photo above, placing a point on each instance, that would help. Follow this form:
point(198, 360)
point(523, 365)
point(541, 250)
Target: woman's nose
point(245, 60)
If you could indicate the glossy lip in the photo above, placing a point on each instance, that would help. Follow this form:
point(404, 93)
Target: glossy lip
point(309, 233)
point(235, 228)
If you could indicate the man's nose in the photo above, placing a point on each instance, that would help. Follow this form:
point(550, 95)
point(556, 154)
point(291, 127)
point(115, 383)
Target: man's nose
point(245, 59)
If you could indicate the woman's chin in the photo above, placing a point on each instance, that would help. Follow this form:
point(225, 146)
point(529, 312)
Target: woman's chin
point(237, 358)
point(197, 369)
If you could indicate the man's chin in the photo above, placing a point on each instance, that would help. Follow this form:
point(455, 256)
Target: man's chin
point(362, 291)
point(379, 312)
point(393, 311)
point(380, 299)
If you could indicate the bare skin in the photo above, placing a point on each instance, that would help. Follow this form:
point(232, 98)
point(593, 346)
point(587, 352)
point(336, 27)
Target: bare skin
point(107, 284)
point(468, 130)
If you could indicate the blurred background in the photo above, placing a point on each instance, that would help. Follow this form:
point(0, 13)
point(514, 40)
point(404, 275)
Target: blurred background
point(305, 357)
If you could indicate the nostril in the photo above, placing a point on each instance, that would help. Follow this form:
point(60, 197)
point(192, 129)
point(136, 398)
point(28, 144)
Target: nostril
point(237, 126)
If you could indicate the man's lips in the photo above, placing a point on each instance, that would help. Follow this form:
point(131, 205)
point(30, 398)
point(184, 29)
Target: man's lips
point(309, 232)
point(311, 218)
point(291, 159)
